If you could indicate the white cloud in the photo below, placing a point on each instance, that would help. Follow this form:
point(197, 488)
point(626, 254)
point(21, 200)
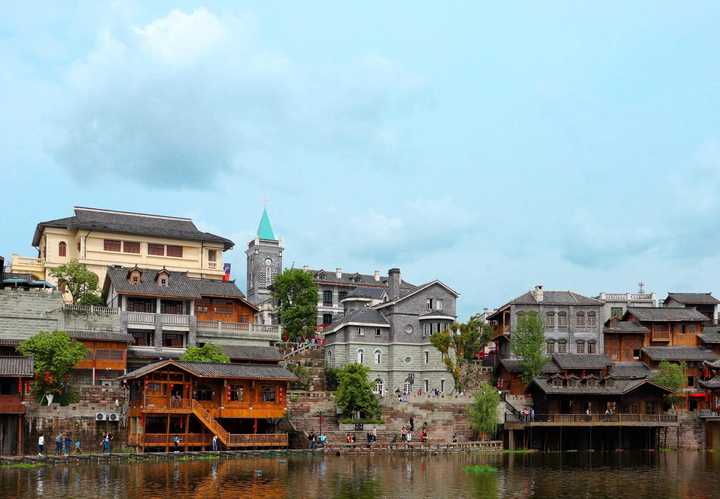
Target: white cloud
point(190, 98)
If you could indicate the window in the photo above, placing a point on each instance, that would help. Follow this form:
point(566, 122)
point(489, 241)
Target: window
point(236, 393)
point(62, 248)
point(361, 332)
point(691, 381)
point(562, 347)
point(268, 393)
point(690, 329)
point(438, 304)
point(426, 384)
point(203, 392)
point(212, 255)
point(141, 305)
point(176, 251)
point(78, 246)
point(550, 320)
point(327, 319)
point(342, 295)
point(592, 319)
point(135, 277)
point(550, 347)
point(580, 346)
point(616, 312)
point(562, 319)
point(379, 386)
point(173, 340)
point(426, 357)
point(378, 332)
point(580, 319)
point(361, 356)
point(111, 245)
point(156, 249)
point(142, 338)
point(592, 347)
point(328, 298)
point(442, 386)
point(426, 329)
point(636, 354)
point(172, 307)
point(429, 304)
point(378, 357)
point(131, 247)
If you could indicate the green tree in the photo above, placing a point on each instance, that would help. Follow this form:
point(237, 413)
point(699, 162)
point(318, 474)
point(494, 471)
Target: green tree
point(206, 353)
point(460, 344)
point(528, 342)
point(76, 279)
point(671, 376)
point(483, 410)
point(355, 393)
point(54, 356)
point(297, 295)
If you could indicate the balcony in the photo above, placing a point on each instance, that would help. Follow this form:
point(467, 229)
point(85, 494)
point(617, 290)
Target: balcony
point(239, 330)
point(11, 404)
point(168, 321)
point(581, 420)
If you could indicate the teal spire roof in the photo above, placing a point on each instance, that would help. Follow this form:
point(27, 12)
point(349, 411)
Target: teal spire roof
point(265, 230)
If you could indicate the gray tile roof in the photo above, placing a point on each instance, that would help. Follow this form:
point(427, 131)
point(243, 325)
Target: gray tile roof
point(132, 223)
point(239, 353)
point(353, 279)
point(710, 335)
point(693, 298)
point(16, 367)
point(629, 370)
point(513, 366)
point(363, 316)
point(555, 298)
point(712, 383)
point(680, 353)
point(367, 292)
point(625, 327)
point(153, 353)
point(115, 336)
point(179, 285)
point(617, 387)
point(215, 370)
point(581, 361)
point(666, 314)
point(436, 313)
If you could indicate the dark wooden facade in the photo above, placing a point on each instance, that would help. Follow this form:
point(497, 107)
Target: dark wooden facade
point(225, 310)
point(16, 374)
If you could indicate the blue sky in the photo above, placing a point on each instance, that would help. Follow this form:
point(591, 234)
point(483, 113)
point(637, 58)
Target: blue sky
point(492, 147)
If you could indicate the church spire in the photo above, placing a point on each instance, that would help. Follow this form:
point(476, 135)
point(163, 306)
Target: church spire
point(265, 230)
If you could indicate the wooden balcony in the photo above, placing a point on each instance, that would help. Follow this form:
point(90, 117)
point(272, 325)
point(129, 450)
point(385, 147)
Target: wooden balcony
point(11, 404)
point(166, 439)
point(661, 335)
point(594, 420)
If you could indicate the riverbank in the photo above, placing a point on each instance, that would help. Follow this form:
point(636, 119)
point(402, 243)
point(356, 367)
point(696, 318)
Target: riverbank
point(338, 449)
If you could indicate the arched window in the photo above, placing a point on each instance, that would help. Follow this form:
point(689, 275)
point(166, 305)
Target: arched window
point(592, 319)
point(592, 347)
point(580, 319)
point(562, 319)
point(378, 356)
point(580, 346)
point(379, 387)
point(550, 347)
point(562, 346)
point(62, 248)
point(426, 356)
point(329, 356)
point(550, 319)
point(361, 356)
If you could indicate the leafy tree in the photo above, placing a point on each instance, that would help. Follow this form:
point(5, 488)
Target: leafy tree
point(671, 376)
point(355, 393)
point(297, 296)
point(206, 353)
point(460, 344)
point(54, 356)
point(331, 378)
point(483, 410)
point(76, 279)
point(527, 342)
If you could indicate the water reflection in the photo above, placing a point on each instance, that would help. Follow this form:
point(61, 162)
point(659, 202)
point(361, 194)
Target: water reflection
point(569, 475)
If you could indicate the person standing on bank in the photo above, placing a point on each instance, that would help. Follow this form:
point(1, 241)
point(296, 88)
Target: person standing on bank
point(215, 443)
point(41, 444)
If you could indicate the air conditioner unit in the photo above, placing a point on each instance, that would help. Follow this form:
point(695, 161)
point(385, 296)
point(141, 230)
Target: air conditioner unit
point(106, 382)
point(100, 416)
point(113, 416)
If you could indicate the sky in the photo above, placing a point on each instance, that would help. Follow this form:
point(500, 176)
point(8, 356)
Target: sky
point(493, 147)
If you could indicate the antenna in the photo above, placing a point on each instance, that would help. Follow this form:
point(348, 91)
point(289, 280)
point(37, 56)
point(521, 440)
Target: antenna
point(641, 285)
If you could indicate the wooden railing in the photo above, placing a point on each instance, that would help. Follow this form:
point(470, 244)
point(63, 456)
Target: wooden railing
point(259, 440)
point(167, 439)
point(600, 418)
point(661, 335)
point(11, 404)
point(208, 420)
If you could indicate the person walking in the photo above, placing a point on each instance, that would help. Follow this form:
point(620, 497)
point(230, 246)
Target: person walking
point(176, 443)
point(41, 444)
point(58, 444)
point(105, 443)
point(67, 444)
point(77, 445)
point(215, 443)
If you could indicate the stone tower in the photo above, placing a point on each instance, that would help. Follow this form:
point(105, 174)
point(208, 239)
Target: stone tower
point(264, 261)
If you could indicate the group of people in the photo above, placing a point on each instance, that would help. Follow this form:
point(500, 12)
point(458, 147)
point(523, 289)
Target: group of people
point(372, 436)
point(527, 415)
point(65, 445)
point(315, 441)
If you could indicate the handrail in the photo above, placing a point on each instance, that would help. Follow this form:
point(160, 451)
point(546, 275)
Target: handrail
point(204, 415)
point(90, 309)
point(603, 418)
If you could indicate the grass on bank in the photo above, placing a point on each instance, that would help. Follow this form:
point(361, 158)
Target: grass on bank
point(480, 468)
point(517, 451)
point(21, 466)
point(201, 457)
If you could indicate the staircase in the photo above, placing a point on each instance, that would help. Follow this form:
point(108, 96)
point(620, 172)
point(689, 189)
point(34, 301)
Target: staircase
point(230, 440)
point(209, 421)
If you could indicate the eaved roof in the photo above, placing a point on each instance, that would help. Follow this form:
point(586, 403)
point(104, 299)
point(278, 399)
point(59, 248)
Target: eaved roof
point(16, 367)
point(581, 361)
point(179, 285)
point(693, 298)
point(712, 383)
point(422, 287)
point(710, 335)
point(514, 366)
point(555, 298)
point(243, 353)
point(629, 370)
point(616, 387)
point(625, 327)
point(365, 315)
point(92, 335)
point(355, 279)
point(680, 353)
point(124, 222)
point(368, 292)
point(218, 370)
point(666, 314)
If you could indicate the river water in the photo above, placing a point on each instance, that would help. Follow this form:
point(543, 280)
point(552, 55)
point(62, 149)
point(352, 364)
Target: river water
point(555, 475)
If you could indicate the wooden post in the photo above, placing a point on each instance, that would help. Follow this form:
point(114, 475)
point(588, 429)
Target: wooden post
point(167, 434)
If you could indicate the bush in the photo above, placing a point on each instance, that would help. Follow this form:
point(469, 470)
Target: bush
point(331, 378)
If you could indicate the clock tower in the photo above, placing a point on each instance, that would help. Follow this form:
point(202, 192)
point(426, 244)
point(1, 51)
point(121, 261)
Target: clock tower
point(264, 261)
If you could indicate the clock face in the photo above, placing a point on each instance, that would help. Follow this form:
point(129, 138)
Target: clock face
point(408, 329)
point(268, 262)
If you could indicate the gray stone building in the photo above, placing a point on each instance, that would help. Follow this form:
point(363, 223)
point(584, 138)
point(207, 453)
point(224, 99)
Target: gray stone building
point(616, 304)
point(389, 331)
point(572, 321)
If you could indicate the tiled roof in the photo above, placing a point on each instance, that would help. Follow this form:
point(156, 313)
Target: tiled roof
point(353, 278)
point(625, 327)
point(693, 298)
point(617, 387)
point(680, 353)
point(179, 285)
point(216, 370)
point(153, 353)
point(710, 335)
point(581, 361)
point(367, 292)
point(555, 298)
point(132, 223)
point(437, 313)
point(362, 316)
point(101, 336)
point(666, 314)
point(513, 366)
point(712, 383)
point(629, 370)
point(11, 367)
point(239, 353)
